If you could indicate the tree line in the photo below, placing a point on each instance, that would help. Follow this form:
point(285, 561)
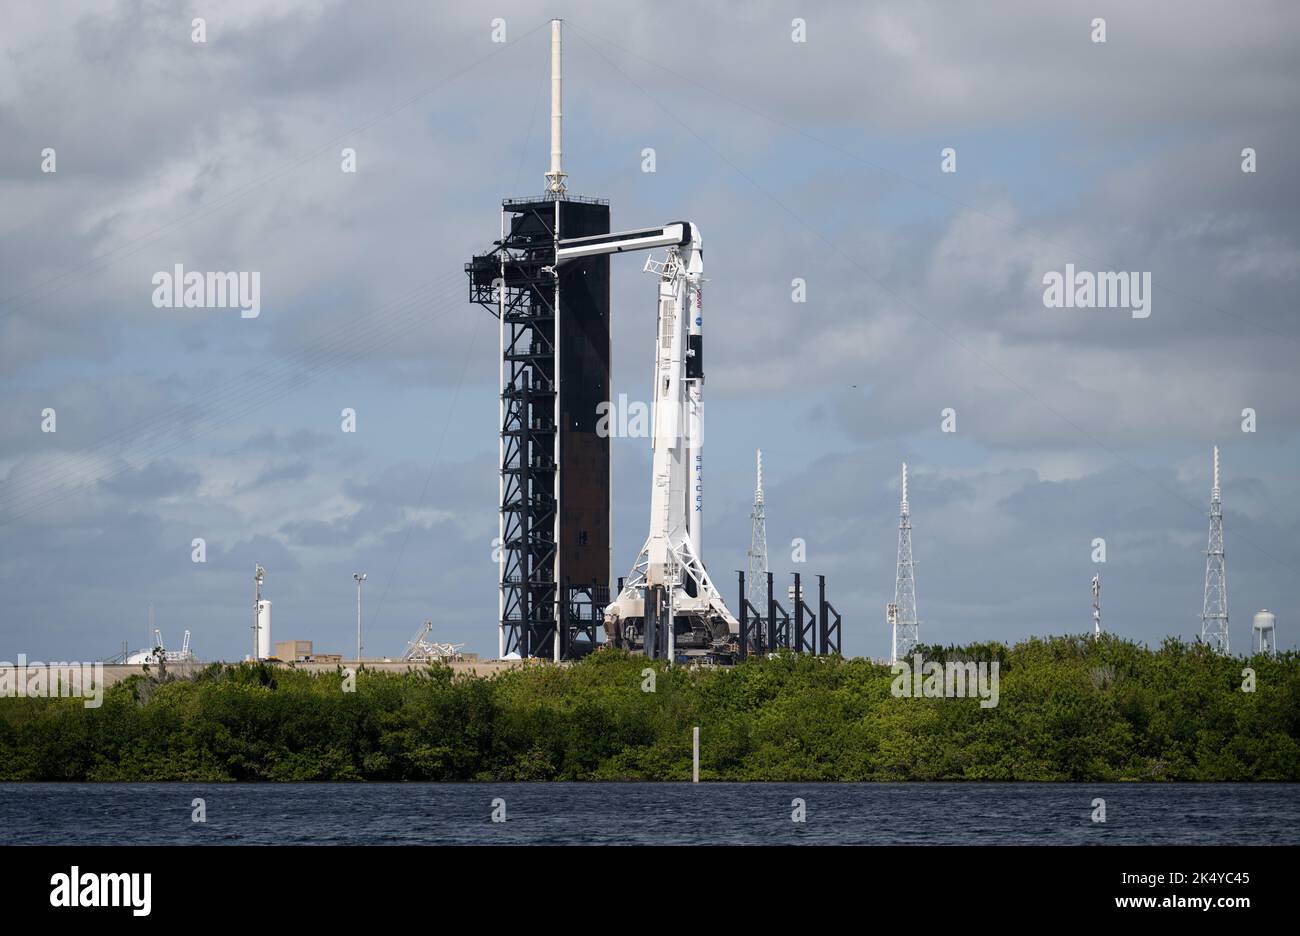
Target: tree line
point(1068, 709)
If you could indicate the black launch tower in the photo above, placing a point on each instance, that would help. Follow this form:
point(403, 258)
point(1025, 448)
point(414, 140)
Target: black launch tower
point(555, 468)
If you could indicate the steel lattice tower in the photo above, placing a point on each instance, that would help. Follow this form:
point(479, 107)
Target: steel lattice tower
point(1214, 613)
point(757, 581)
point(555, 360)
point(906, 628)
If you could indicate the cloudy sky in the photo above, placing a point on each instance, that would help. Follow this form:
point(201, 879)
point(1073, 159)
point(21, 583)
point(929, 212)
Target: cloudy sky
point(819, 160)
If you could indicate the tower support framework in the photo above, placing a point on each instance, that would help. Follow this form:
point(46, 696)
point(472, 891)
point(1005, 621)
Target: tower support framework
point(554, 494)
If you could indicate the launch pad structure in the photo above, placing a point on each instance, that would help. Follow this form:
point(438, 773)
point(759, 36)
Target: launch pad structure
point(547, 281)
point(554, 495)
point(554, 533)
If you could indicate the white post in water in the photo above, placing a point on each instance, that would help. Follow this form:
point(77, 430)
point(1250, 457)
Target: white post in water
point(695, 756)
point(555, 178)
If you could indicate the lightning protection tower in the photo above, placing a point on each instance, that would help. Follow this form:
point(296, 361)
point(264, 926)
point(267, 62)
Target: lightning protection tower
point(554, 490)
point(758, 544)
point(904, 625)
point(1214, 612)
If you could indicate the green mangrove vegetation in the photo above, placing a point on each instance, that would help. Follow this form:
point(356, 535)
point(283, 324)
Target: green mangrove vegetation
point(1069, 708)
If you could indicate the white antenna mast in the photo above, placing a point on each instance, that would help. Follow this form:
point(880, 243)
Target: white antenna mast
point(259, 576)
point(555, 178)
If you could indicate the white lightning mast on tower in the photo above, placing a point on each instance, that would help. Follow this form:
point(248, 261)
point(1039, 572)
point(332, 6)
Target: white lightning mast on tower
point(1214, 612)
point(555, 177)
point(757, 581)
point(906, 629)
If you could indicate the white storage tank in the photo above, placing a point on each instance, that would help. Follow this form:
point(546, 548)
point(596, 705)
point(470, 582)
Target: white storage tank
point(1264, 630)
point(264, 629)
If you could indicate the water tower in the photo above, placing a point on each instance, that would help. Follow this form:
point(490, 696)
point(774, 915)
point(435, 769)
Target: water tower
point(1264, 631)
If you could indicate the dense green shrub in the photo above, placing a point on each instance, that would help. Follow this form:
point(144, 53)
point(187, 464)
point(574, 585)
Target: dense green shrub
point(1070, 709)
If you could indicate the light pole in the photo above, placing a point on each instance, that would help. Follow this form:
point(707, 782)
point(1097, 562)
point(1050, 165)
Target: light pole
point(360, 577)
point(259, 575)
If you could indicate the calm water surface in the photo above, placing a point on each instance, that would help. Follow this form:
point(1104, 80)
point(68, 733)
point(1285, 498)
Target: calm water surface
point(649, 813)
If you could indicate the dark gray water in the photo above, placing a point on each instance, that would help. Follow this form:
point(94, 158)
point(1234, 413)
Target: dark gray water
point(650, 813)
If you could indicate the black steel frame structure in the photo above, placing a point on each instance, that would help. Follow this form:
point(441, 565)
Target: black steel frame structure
point(808, 630)
point(829, 622)
point(554, 558)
